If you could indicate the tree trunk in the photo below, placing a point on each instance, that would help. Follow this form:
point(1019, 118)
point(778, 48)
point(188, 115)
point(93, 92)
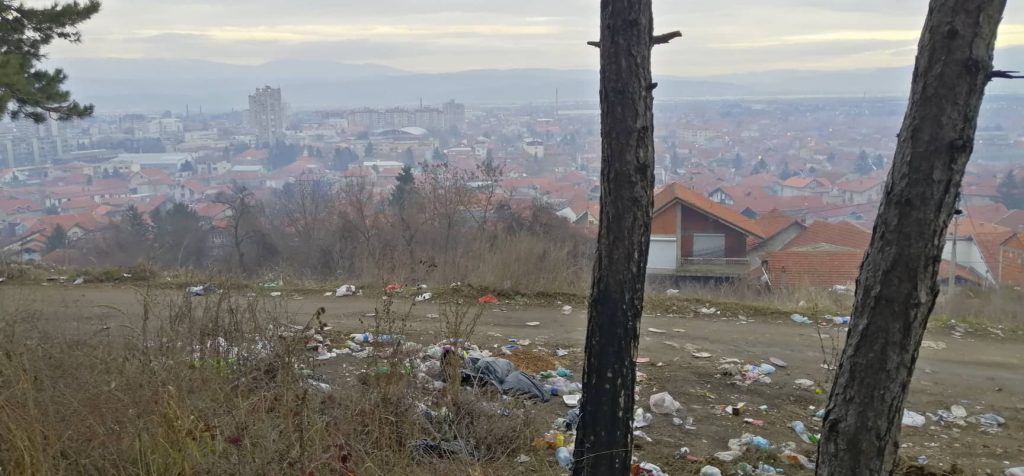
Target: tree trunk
point(898, 285)
point(604, 439)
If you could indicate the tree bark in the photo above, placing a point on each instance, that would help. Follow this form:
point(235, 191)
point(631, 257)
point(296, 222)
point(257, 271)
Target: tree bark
point(898, 285)
point(604, 438)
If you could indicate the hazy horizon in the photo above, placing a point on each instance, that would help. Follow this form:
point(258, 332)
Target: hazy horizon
point(459, 35)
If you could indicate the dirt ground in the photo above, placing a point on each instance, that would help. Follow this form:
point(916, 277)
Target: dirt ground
point(979, 370)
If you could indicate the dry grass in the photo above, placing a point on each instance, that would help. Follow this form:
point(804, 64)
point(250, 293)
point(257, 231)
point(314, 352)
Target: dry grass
point(207, 386)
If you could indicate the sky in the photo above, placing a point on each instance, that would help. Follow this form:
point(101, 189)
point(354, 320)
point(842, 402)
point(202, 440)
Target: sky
point(720, 37)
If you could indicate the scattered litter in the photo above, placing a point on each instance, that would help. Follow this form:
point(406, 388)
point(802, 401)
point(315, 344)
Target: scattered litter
point(329, 293)
point(561, 352)
point(797, 318)
point(663, 403)
point(804, 383)
point(344, 290)
point(676, 421)
point(671, 292)
point(778, 362)
point(275, 294)
point(682, 453)
point(79, 280)
point(488, 299)
point(710, 471)
point(671, 344)
point(523, 459)
point(533, 324)
point(423, 297)
point(319, 386)
point(708, 310)
point(572, 400)
point(641, 419)
point(643, 435)
point(566, 310)
point(801, 431)
point(751, 421)
point(393, 287)
point(200, 290)
point(433, 316)
point(798, 459)
point(734, 410)
point(958, 411)
point(1018, 471)
point(910, 418)
point(922, 459)
point(701, 355)
point(643, 360)
point(990, 422)
point(679, 330)
point(937, 345)
point(647, 469)
point(656, 331)
point(727, 456)
point(841, 320)
point(563, 457)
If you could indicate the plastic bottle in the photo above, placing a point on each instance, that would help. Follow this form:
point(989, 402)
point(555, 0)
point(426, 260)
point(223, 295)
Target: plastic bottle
point(801, 430)
point(759, 443)
point(564, 457)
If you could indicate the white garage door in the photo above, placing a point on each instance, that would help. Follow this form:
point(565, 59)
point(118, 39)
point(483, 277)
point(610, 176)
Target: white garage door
point(663, 253)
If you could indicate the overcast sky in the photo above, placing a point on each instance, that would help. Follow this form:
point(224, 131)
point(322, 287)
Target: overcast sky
point(449, 35)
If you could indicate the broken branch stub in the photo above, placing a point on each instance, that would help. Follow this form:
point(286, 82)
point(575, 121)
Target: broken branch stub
point(655, 40)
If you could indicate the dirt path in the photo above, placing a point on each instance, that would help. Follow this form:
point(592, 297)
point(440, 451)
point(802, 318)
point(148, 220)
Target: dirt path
point(980, 371)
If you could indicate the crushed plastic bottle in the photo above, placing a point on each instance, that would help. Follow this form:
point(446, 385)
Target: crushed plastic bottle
point(801, 431)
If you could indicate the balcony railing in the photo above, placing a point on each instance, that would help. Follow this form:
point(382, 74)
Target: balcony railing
point(713, 266)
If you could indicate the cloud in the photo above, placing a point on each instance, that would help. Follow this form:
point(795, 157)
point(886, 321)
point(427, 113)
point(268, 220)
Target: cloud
point(450, 35)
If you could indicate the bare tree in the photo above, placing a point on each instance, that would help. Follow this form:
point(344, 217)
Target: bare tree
point(605, 438)
point(897, 286)
point(243, 220)
point(304, 208)
point(449, 199)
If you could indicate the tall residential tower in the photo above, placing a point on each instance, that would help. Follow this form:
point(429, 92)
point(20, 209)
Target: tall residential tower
point(266, 115)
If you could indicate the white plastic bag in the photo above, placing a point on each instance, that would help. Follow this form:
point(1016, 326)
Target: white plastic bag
point(663, 403)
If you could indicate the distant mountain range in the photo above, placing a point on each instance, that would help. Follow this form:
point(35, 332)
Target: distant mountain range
point(138, 85)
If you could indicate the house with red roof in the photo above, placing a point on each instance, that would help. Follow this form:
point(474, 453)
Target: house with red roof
point(803, 186)
point(821, 256)
point(693, 236)
point(979, 246)
point(1011, 260)
point(861, 190)
point(1014, 220)
point(779, 229)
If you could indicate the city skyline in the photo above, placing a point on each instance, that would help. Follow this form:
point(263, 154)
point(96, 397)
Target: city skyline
point(455, 35)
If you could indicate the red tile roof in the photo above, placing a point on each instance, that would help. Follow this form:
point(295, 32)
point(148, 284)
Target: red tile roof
point(962, 272)
point(821, 269)
point(802, 182)
point(860, 185)
point(676, 191)
point(842, 234)
point(773, 222)
point(761, 205)
point(991, 212)
point(1013, 220)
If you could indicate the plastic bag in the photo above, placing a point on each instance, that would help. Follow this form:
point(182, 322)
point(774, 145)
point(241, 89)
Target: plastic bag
point(663, 403)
